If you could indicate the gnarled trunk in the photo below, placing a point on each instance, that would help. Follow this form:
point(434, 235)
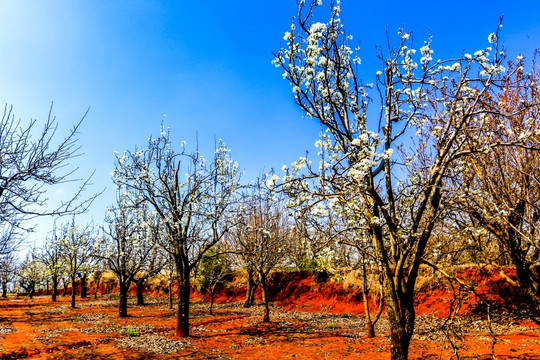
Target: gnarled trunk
point(84, 289)
point(73, 292)
point(251, 287)
point(370, 328)
point(64, 290)
point(401, 317)
point(212, 295)
point(55, 287)
point(182, 316)
point(264, 290)
point(370, 322)
point(122, 307)
point(32, 290)
point(98, 280)
point(140, 287)
point(169, 287)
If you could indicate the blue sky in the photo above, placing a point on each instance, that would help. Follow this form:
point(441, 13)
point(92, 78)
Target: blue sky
point(206, 66)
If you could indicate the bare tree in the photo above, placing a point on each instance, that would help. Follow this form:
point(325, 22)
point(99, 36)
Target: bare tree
point(156, 259)
point(500, 189)
point(312, 235)
point(31, 273)
point(11, 237)
point(260, 236)
point(32, 161)
point(190, 208)
point(125, 246)
point(98, 270)
point(52, 257)
point(8, 271)
point(213, 271)
point(429, 111)
point(78, 251)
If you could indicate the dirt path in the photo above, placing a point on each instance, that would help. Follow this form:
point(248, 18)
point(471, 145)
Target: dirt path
point(40, 329)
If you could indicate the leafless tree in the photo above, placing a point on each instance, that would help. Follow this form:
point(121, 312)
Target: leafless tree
point(260, 236)
point(78, 250)
point(125, 245)
point(8, 271)
point(11, 237)
point(99, 268)
point(52, 257)
point(32, 160)
point(31, 273)
point(499, 189)
point(213, 271)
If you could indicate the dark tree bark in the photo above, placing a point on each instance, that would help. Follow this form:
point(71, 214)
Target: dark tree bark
point(98, 279)
point(73, 284)
point(266, 301)
point(32, 289)
point(212, 290)
point(84, 288)
point(169, 287)
point(251, 288)
point(64, 290)
point(55, 287)
point(184, 292)
point(122, 307)
point(140, 288)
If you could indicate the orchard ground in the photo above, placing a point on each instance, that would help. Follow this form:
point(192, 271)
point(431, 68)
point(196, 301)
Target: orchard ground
point(311, 318)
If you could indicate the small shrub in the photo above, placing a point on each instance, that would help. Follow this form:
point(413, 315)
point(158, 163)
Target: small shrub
point(131, 331)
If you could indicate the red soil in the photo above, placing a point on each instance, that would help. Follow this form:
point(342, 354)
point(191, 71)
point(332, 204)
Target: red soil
point(45, 330)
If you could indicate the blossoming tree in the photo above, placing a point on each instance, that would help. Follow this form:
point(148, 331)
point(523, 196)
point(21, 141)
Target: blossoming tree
point(191, 197)
point(125, 246)
point(387, 168)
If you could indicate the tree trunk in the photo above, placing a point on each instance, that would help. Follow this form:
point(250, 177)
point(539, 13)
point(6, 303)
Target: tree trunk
point(98, 279)
point(170, 295)
point(370, 322)
point(212, 293)
point(4, 288)
point(73, 292)
point(400, 343)
point(32, 290)
point(182, 318)
point(55, 287)
point(370, 328)
point(266, 316)
point(252, 295)
point(83, 286)
point(140, 288)
point(122, 307)
point(248, 294)
point(401, 317)
point(64, 291)
point(251, 287)
point(527, 280)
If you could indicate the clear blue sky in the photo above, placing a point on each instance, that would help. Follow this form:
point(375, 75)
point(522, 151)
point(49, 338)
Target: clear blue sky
point(206, 66)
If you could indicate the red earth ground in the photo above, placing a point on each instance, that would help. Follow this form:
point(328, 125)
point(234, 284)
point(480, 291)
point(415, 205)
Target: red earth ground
point(310, 320)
